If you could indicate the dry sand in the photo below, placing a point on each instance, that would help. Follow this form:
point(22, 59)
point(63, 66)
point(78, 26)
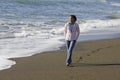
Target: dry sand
point(93, 60)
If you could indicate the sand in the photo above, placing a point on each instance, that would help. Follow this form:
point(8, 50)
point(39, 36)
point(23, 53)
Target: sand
point(93, 60)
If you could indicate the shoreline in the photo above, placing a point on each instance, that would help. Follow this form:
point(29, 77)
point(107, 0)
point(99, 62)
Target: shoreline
point(96, 60)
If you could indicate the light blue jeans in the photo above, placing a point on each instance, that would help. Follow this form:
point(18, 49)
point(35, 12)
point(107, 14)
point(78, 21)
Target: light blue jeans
point(70, 46)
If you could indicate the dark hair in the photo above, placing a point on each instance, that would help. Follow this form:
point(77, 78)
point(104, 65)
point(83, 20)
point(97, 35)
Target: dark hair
point(73, 16)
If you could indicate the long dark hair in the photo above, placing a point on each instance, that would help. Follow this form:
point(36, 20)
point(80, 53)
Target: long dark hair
point(73, 16)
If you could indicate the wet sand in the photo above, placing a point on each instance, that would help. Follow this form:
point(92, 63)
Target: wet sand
point(93, 60)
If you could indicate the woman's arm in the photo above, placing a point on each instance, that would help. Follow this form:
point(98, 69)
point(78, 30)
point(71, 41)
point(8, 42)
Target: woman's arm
point(65, 30)
point(78, 31)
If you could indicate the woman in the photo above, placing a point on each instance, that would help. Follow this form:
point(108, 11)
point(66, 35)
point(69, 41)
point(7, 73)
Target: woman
point(71, 34)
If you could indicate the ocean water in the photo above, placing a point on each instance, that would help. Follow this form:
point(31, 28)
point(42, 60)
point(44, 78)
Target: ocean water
point(29, 27)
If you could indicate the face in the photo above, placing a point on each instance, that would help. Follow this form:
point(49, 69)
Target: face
point(71, 20)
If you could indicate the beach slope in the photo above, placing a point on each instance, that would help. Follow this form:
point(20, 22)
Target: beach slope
point(93, 60)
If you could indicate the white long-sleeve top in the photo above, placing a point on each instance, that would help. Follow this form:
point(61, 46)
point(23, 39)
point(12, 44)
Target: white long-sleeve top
point(71, 34)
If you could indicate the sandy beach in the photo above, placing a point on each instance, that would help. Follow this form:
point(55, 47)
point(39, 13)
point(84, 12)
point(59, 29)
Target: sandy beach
point(93, 60)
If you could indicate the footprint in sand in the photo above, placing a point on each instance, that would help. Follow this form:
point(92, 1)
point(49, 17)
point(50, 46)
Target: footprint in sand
point(99, 49)
point(80, 59)
point(88, 54)
point(94, 51)
point(108, 46)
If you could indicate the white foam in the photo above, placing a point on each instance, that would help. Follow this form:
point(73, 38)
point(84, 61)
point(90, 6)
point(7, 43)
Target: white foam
point(104, 1)
point(13, 29)
point(91, 25)
point(115, 4)
point(5, 64)
point(19, 47)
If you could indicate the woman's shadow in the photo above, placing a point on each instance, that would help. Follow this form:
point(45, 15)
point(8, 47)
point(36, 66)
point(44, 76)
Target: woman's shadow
point(93, 64)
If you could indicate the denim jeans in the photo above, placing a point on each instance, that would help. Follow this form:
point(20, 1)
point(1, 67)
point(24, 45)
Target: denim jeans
point(70, 46)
